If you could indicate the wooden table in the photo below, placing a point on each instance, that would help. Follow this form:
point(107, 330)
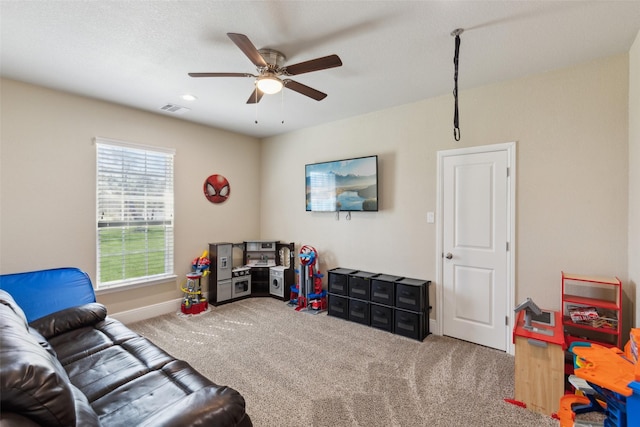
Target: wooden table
point(539, 365)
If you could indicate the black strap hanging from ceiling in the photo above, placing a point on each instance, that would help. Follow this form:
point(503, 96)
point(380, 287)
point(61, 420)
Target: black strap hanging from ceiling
point(456, 118)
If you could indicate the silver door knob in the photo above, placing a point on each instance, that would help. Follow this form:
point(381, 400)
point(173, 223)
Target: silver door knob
point(449, 255)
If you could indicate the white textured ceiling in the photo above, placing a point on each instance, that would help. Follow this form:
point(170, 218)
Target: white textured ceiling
point(138, 53)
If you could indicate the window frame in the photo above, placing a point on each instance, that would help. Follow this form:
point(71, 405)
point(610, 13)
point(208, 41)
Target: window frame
point(124, 224)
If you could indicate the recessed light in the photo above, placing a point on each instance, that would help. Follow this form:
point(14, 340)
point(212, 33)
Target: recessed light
point(189, 97)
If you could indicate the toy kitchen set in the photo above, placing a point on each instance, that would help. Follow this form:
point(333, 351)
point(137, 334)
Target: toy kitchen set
point(250, 269)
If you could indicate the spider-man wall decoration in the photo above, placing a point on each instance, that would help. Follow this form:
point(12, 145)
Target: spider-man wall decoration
point(216, 189)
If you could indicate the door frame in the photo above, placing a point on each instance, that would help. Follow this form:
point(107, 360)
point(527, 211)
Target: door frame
point(510, 148)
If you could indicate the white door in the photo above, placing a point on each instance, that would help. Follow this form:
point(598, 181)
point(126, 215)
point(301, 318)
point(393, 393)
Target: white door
point(475, 231)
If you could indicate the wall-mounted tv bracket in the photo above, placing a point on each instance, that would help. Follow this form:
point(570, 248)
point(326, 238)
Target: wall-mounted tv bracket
point(347, 217)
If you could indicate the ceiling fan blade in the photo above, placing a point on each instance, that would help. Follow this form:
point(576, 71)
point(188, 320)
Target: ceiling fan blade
point(304, 90)
point(221, 75)
point(248, 49)
point(255, 97)
point(317, 64)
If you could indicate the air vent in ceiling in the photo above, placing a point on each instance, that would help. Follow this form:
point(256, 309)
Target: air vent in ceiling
point(174, 109)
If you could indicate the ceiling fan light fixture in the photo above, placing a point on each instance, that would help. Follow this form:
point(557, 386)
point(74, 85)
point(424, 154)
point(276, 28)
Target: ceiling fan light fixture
point(269, 84)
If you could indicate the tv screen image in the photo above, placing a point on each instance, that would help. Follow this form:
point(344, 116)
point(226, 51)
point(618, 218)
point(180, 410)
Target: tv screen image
point(342, 185)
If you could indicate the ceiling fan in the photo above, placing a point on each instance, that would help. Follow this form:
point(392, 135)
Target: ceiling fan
point(271, 69)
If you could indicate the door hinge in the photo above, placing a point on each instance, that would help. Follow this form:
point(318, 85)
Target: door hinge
point(507, 246)
point(506, 320)
point(508, 172)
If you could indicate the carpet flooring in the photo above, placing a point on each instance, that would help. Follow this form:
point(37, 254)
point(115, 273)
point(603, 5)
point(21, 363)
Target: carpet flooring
point(298, 369)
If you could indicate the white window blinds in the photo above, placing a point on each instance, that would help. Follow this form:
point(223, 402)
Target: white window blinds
point(134, 213)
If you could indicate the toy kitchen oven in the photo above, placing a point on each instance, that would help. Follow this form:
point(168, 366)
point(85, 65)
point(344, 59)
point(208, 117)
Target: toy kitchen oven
point(240, 282)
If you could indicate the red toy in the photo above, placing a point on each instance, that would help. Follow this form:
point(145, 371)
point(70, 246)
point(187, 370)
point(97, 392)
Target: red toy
point(193, 302)
point(308, 294)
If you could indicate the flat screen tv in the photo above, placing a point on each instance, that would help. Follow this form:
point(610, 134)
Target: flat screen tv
point(342, 185)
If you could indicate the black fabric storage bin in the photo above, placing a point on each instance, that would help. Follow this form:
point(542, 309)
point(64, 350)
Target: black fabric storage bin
point(359, 311)
point(338, 306)
point(360, 285)
point(412, 294)
point(381, 317)
point(339, 280)
point(383, 289)
point(411, 324)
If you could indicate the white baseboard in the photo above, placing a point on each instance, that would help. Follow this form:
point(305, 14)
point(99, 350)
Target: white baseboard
point(173, 306)
point(147, 312)
point(433, 326)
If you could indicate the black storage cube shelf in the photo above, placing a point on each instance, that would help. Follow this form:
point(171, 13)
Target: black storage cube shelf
point(360, 285)
point(381, 317)
point(411, 324)
point(359, 311)
point(338, 306)
point(411, 294)
point(391, 303)
point(383, 289)
point(339, 280)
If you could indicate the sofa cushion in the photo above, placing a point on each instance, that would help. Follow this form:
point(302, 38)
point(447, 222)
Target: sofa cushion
point(32, 381)
point(188, 399)
point(107, 369)
point(82, 342)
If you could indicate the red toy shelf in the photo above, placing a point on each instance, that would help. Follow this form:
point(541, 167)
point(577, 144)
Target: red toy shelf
point(599, 302)
point(610, 305)
point(604, 329)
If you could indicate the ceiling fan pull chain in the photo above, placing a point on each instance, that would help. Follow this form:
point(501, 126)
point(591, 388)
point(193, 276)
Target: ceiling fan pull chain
point(456, 118)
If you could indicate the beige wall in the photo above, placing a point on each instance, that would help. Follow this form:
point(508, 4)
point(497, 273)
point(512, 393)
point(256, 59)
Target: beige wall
point(634, 174)
point(47, 212)
point(570, 127)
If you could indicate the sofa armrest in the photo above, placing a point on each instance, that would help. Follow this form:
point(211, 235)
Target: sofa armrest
point(69, 319)
point(210, 406)
point(33, 383)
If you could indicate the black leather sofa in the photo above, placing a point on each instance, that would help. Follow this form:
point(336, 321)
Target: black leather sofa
point(79, 367)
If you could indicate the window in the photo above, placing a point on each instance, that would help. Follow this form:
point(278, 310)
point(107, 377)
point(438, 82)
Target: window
point(134, 213)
